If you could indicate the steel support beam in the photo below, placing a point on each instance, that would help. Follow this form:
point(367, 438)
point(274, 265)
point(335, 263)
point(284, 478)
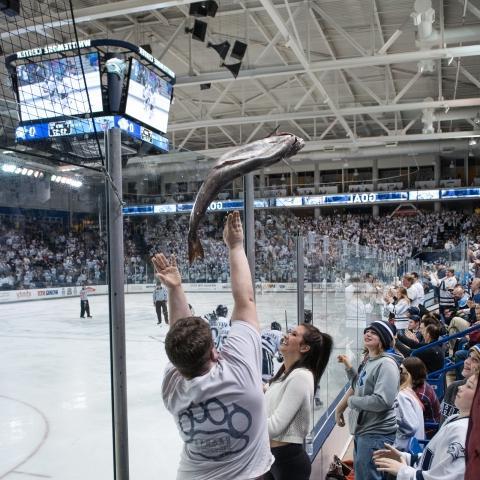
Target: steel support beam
point(116, 299)
point(299, 53)
point(360, 110)
point(331, 65)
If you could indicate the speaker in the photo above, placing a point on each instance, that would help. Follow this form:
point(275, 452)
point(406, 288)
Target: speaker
point(238, 50)
point(198, 31)
point(234, 68)
point(203, 9)
point(205, 86)
point(221, 48)
point(147, 47)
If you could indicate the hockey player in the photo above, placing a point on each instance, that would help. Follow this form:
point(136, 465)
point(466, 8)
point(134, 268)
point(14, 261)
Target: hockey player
point(219, 326)
point(271, 338)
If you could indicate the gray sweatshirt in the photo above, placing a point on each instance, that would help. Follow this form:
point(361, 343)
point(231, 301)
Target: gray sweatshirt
point(372, 404)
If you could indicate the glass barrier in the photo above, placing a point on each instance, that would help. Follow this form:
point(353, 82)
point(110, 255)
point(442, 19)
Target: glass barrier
point(55, 402)
point(344, 286)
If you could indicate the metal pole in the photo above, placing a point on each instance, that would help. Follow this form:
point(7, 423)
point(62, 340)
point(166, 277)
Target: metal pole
point(249, 224)
point(117, 305)
point(300, 281)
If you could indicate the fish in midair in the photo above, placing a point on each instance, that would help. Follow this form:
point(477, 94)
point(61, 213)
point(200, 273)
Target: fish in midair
point(233, 164)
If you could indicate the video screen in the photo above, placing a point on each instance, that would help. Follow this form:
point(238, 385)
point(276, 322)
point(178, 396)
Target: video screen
point(424, 195)
point(56, 88)
point(148, 97)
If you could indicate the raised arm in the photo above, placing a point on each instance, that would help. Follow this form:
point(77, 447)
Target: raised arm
point(167, 272)
point(241, 279)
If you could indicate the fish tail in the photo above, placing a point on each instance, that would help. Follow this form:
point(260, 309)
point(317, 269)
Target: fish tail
point(195, 249)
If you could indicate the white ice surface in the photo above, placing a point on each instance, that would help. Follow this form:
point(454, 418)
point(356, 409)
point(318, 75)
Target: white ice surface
point(55, 418)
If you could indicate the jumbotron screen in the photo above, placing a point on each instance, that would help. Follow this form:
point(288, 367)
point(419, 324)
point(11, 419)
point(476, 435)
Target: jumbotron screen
point(148, 97)
point(56, 88)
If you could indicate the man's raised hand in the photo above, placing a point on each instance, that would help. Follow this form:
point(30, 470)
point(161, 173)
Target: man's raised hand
point(166, 270)
point(233, 230)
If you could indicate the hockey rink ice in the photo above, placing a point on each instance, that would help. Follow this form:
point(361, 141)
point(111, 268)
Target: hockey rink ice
point(55, 418)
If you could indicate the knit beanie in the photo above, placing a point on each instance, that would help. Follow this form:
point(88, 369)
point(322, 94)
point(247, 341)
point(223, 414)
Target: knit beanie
point(384, 331)
point(476, 351)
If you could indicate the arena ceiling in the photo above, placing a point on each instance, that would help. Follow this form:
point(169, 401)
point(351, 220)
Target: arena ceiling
point(346, 75)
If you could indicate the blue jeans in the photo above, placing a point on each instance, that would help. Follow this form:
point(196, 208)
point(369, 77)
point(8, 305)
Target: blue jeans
point(364, 446)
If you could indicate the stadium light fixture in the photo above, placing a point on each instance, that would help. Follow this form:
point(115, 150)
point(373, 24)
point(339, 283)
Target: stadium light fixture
point(9, 168)
point(72, 182)
point(18, 170)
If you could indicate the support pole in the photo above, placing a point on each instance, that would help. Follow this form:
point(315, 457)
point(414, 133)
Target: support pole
point(117, 305)
point(249, 223)
point(300, 280)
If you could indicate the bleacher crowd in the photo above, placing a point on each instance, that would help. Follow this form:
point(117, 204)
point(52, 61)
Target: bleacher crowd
point(35, 254)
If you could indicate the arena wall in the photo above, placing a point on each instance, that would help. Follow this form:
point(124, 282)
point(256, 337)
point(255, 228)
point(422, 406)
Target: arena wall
point(9, 296)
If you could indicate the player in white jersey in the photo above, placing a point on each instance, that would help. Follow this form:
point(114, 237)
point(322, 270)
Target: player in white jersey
point(219, 326)
point(271, 338)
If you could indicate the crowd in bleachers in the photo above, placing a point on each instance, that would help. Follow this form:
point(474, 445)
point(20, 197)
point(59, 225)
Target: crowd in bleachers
point(437, 381)
point(34, 254)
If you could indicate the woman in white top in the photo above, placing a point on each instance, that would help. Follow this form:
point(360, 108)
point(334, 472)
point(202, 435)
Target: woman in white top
point(289, 398)
point(444, 455)
point(398, 308)
point(409, 412)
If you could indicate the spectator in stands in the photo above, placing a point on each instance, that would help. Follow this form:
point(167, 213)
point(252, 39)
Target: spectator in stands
point(199, 383)
point(289, 396)
point(433, 357)
point(418, 286)
point(397, 304)
point(424, 391)
point(413, 331)
point(472, 456)
point(470, 366)
point(461, 299)
point(445, 287)
point(371, 400)
point(475, 290)
point(409, 412)
point(413, 293)
point(444, 455)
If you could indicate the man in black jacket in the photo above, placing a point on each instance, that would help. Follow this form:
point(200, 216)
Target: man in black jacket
point(433, 357)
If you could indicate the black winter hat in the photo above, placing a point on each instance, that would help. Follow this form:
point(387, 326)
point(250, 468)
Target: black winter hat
point(384, 331)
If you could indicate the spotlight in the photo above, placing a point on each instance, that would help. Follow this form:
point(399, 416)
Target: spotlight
point(9, 168)
point(198, 31)
point(472, 142)
point(238, 50)
point(203, 9)
point(221, 48)
point(234, 68)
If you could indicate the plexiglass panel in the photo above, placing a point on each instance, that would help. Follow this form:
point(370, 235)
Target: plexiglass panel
point(55, 402)
point(344, 286)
